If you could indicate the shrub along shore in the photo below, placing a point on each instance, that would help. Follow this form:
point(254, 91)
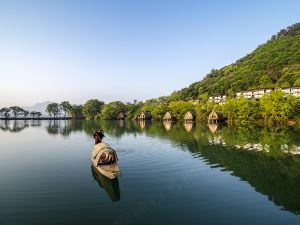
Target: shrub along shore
point(274, 107)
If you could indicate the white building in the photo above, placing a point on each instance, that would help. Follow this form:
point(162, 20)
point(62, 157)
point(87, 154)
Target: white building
point(256, 94)
point(253, 94)
point(295, 91)
point(217, 99)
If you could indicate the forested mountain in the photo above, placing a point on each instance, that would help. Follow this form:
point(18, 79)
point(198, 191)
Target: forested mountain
point(273, 64)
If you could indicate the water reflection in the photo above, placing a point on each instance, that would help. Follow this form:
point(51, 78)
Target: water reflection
point(64, 127)
point(111, 187)
point(36, 123)
point(121, 123)
point(213, 127)
point(271, 140)
point(167, 125)
point(266, 158)
point(278, 178)
point(257, 156)
point(14, 126)
point(144, 124)
point(189, 127)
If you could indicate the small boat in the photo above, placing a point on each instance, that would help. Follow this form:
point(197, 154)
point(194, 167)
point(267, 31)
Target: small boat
point(105, 159)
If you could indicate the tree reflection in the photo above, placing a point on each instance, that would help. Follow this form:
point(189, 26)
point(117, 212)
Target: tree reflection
point(263, 157)
point(14, 126)
point(255, 155)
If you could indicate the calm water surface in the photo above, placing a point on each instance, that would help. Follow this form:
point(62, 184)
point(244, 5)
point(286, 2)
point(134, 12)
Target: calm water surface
point(171, 174)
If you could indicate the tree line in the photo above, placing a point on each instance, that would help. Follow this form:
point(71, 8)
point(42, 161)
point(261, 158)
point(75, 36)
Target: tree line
point(18, 112)
point(66, 109)
point(272, 107)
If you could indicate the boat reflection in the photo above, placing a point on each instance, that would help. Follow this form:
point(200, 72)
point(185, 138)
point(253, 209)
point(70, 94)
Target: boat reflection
point(111, 187)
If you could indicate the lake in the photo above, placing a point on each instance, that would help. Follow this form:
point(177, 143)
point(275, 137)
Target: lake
point(171, 174)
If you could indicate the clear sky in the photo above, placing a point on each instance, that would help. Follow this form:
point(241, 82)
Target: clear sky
point(125, 50)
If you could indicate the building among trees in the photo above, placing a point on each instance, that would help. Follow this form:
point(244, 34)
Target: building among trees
point(215, 117)
point(169, 117)
point(217, 98)
point(145, 116)
point(254, 93)
point(121, 116)
point(190, 116)
point(295, 91)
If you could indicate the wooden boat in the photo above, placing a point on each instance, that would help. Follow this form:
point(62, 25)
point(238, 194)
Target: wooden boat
point(111, 186)
point(105, 159)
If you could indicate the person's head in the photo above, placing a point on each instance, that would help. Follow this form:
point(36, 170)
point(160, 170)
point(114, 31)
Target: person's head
point(100, 134)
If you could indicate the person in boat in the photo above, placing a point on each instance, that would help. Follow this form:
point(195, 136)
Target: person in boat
point(98, 136)
point(107, 155)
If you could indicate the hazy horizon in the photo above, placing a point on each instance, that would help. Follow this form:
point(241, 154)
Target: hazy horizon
point(125, 50)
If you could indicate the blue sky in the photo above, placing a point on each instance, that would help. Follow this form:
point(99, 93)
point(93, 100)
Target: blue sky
point(125, 50)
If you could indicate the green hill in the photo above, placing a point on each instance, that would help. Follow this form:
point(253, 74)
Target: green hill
point(273, 64)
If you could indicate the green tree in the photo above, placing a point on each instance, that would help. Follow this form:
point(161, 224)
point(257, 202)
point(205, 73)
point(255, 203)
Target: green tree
point(241, 111)
point(203, 97)
point(91, 108)
point(265, 81)
point(76, 111)
point(159, 111)
point(203, 110)
point(133, 109)
point(25, 113)
point(38, 114)
point(4, 112)
point(65, 107)
point(230, 109)
point(179, 108)
point(35, 114)
point(53, 109)
point(278, 107)
point(248, 112)
point(110, 111)
point(16, 111)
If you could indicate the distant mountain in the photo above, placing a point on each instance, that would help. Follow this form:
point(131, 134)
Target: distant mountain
point(38, 107)
point(273, 64)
